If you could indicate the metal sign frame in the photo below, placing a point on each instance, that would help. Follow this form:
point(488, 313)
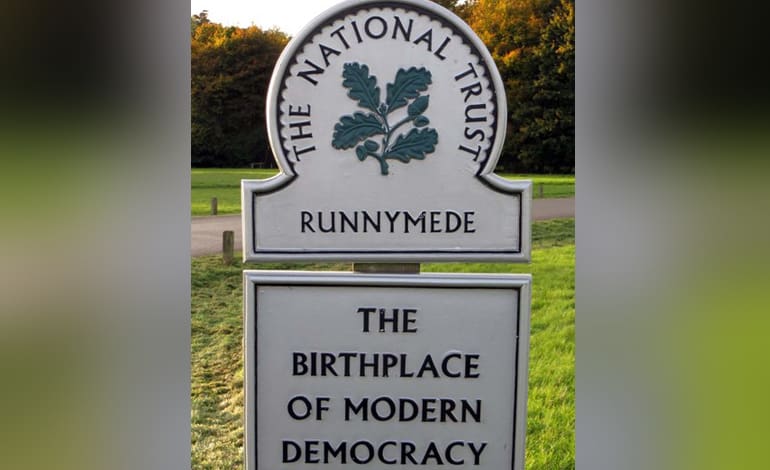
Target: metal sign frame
point(518, 282)
point(520, 192)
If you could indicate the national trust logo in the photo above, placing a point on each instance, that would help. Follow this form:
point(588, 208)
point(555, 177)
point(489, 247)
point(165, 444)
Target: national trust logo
point(405, 89)
point(382, 81)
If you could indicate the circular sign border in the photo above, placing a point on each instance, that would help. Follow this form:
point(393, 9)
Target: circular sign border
point(289, 57)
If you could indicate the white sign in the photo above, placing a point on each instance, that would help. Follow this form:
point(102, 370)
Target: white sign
point(361, 371)
point(387, 119)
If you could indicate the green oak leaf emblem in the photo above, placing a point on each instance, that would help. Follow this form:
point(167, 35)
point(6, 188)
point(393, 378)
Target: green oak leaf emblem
point(358, 129)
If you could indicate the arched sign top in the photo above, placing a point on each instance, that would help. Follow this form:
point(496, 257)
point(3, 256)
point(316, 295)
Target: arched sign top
point(382, 109)
point(374, 50)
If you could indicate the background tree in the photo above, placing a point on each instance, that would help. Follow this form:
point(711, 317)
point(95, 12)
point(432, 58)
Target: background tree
point(533, 44)
point(199, 19)
point(231, 69)
point(458, 7)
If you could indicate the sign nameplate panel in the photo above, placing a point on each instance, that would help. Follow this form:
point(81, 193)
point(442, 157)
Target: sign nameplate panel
point(363, 371)
point(386, 119)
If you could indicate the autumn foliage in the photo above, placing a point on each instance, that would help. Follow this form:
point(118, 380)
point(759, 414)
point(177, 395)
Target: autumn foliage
point(231, 69)
point(533, 44)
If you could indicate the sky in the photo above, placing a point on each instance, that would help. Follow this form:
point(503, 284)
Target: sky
point(288, 15)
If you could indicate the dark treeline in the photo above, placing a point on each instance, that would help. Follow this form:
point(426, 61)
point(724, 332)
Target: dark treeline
point(231, 69)
point(532, 42)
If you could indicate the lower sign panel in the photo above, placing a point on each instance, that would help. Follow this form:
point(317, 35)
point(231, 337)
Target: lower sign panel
point(414, 371)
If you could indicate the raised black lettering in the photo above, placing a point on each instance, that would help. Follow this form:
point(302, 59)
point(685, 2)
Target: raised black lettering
point(340, 451)
point(287, 446)
point(299, 363)
point(389, 361)
point(473, 89)
point(427, 38)
point(407, 449)
point(307, 219)
point(404, 373)
point(356, 409)
point(299, 111)
point(475, 153)
point(327, 51)
point(445, 365)
point(476, 133)
point(471, 364)
point(467, 222)
point(355, 30)
point(338, 32)
point(392, 219)
point(406, 32)
point(353, 224)
point(305, 407)
point(414, 221)
point(303, 150)
point(466, 410)
point(383, 27)
point(390, 410)
point(354, 454)
point(346, 357)
point(471, 70)
point(301, 134)
point(369, 221)
point(477, 452)
point(428, 410)
point(409, 319)
point(306, 74)
point(310, 451)
point(432, 453)
point(428, 365)
point(327, 364)
point(457, 221)
point(441, 48)
point(471, 107)
point(447, 408)
point(402, 409)
point(381, 453)
point(435, 221)
point(448, 453)
point(374, 364)
point(331, 227)
point(320, 406)
point(392, 319)
point(366, 311)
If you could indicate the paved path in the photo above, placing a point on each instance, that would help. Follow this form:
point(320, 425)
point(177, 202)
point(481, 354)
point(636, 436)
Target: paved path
point(543, 209)
point(207, 231)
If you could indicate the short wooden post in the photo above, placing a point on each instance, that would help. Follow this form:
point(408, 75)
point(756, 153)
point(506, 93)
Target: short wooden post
point(540, 190)
point(228, 243)
point(213, 206)
point(387, 268)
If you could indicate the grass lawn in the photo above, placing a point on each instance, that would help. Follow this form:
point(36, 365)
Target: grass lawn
point(225, 185)
point(217, 365)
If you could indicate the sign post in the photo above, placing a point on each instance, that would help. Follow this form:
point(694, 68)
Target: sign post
point(387, 119)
